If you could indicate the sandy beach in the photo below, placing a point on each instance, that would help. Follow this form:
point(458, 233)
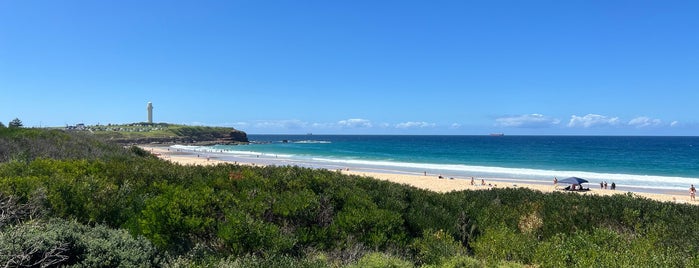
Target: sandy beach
point(427, 181)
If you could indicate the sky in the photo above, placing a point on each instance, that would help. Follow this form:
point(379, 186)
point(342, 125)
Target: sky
point(356, 67)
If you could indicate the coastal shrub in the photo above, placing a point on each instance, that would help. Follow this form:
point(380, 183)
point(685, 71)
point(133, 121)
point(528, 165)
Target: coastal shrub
point(297, 206)
point(458, 261)
point(381, 260)
point(372, 226)
point(26, 144)
point(435, 247)
point(427, 211)
point(281, 261)
point(243, 234)
point(177, 218)
point(60, 242)
point(500, 242)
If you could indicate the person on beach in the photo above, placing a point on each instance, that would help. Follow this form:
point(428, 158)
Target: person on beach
point(483, 182)
point(692, 192)
point(605, 185)
point(472, 181)
point(613, 186)
point(601, 185)
point(555, 183)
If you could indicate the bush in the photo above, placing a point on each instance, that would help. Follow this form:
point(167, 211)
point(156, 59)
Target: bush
point(436, 247)
point(281, 261)
point(177, 218)
point(501, 243)
point(381, 260)
point(243, 234)
point(60, 243)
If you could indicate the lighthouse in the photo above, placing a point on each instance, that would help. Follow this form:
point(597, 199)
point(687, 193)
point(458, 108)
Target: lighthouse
point(150, 112)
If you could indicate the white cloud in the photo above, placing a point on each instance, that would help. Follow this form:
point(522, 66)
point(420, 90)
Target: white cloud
point(592, 120)
point(280, 124)
point(644, 121)
point(354, 123)
point(456, 125)
point(321, 125)
point(674, 123)
point(240, 124)
point(414, 125)
point(527, 121)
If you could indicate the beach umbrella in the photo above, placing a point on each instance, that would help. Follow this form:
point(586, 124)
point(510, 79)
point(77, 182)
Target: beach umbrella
point(573, 180)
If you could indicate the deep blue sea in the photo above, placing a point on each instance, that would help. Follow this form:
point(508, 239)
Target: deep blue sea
point(670, 163)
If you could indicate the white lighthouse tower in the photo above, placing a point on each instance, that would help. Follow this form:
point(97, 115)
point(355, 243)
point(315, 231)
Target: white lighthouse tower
point(150, 112)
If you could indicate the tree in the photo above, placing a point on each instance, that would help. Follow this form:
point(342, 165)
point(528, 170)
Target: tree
point(15, 123)
point(1, 125)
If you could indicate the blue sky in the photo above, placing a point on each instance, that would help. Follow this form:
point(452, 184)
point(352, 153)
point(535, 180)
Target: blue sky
point(356, 67)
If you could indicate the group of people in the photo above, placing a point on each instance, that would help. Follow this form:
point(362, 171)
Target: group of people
point(473, 181)
point(603, 185)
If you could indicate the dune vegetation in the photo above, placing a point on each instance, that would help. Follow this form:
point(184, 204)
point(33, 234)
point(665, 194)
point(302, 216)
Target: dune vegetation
point(70, 199)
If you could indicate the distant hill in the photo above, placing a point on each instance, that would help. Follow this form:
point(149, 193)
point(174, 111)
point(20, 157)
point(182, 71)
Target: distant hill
point(145, 133)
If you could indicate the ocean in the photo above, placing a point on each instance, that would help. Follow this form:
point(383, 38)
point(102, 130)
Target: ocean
point(656, 164)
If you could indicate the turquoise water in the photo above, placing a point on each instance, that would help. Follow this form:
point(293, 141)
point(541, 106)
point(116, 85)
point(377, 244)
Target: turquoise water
point(641, 162)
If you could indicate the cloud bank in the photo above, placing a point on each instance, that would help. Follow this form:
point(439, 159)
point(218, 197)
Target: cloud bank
point(592, 120)
point(415, 125)
point(354, 123)
point(643, 121)
point(536, 121)
point(527, 121)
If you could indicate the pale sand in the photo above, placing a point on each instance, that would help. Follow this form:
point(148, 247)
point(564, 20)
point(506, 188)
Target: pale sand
point(428, 182)
point(184, 158)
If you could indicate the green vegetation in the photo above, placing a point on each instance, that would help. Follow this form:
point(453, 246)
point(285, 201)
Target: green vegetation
point(121, 207)
point(163, 133)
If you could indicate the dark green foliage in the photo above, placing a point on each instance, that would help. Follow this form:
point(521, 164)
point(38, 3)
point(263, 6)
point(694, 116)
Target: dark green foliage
point(502, 243)
point(245, 234)
point(436, 247)
point(177, 217)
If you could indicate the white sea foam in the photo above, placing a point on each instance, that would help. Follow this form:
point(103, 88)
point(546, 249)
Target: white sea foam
point(207, 149)
point(640, 181)
point(312, 141)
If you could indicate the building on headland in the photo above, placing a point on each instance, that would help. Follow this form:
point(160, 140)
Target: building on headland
point(79, 126)
point(150, 112)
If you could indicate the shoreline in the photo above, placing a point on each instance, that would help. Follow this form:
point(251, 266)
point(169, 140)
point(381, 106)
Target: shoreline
point(427, 181)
